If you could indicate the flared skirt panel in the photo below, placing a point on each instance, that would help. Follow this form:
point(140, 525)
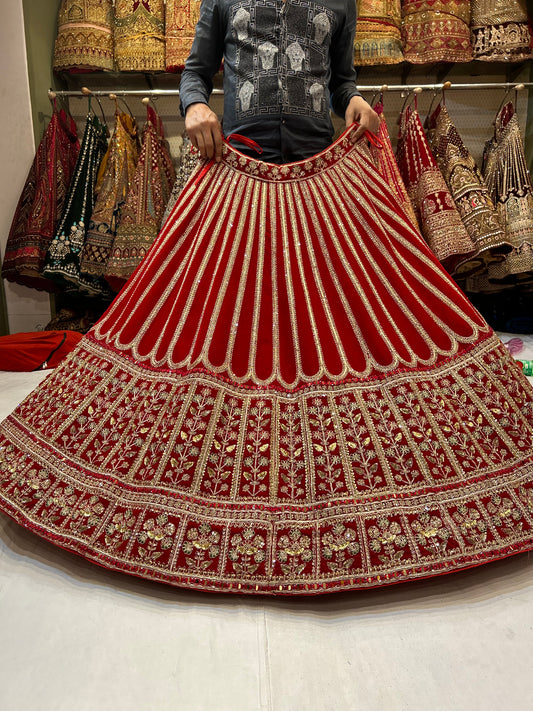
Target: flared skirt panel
point(289, 396)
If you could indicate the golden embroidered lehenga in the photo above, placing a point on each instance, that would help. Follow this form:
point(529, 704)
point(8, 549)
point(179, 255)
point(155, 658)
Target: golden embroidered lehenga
point(501, 30)
point(378, 37)
point(142, 214)
point(116, 177)
point(509, 184)
point(436, 31)
point(181, 17)
point(290, 396)
point(469, 192)
point(84, 36)
point(140, 35)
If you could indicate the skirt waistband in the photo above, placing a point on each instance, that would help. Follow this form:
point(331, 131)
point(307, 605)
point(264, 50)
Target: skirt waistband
point(292, 171)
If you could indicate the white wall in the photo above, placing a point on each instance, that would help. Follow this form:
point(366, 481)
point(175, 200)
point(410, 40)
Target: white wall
point(28, 309)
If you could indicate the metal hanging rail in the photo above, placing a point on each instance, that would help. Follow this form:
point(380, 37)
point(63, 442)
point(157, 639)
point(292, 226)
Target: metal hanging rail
point(448, 86)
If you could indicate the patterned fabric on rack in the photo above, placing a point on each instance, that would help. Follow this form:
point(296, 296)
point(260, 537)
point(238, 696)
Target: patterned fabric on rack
point(467, 187)
point(143, 212)
point(436, 213)
point(188, 162)
point(85, 35)
point(290, 396)
point(510, 187)
point(117, 178)
point(436, 31)
point(378, 37)
point(41, 204)
point(62, 262)
point(385, 161)
point(501, 30)
point(181, 18)
point(140, 35)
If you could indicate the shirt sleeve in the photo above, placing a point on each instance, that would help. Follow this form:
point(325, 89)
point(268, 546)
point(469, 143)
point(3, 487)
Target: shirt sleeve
point(205, 58)
point(342, 85)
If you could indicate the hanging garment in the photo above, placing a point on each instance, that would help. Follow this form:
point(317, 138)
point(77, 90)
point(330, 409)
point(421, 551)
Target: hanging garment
point(436, 31)
point(41, 204)
point(385, 161)
point(180, 20)
point(84, 36)
point(501, 31)
point(509, 184)
point(62, 263)
point(436, 213)
point(468, 189)
point(378, 37)
point(289, 396)
point(140, 35)
point(188, 161)
point(142, 214)
point(117, 178)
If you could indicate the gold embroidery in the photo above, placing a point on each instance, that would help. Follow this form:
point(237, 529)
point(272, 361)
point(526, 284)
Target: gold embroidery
point(85, 37)
point(181, 18)
point(500, 30)
point(378, 37)
point(140, 35)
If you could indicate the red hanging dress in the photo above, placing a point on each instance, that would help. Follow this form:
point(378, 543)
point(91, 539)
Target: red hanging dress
point(385, 160)
point(41, 204)
point(290, 396)
point(435, 209)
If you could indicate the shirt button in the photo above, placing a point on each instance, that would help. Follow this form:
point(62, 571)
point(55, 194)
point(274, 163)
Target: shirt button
point(283, 122)
point(280, 84)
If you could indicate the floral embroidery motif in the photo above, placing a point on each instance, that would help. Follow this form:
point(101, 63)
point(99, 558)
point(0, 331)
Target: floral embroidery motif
point(156, 533)
point(120, 530)
point(339, 548)
point(471, 524)
point(201, 547)
point(247, 552)
point(256, 460)
point(294, 552)
point(387, 539)
point(431, 532)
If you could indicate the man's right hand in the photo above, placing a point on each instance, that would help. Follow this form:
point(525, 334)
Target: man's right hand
point(205, 131)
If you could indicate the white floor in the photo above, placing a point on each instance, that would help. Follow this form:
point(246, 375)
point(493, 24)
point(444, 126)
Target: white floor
point(75, 636)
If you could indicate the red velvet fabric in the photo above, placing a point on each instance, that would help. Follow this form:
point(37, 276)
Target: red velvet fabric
point(37, 350)
point(290, 396)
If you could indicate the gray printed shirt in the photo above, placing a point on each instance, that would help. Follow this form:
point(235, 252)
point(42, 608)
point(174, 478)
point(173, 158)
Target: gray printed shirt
point(285, 65)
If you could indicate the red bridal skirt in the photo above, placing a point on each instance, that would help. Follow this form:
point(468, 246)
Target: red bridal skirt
point(289, 396)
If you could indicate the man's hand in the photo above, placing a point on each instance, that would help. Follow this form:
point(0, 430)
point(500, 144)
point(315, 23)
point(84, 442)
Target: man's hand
point(360, 111)
point(204, 130)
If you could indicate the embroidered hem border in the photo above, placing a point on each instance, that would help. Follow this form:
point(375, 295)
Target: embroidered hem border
point(307, 542)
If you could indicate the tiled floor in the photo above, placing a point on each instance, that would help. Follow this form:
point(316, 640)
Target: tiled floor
point(75, 636)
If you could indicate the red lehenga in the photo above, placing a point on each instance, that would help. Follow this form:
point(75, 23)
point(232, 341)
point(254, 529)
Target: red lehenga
point(41, 204)
point(289, 396)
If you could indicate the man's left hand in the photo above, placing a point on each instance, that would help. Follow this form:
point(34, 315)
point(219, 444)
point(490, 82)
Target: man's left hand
point(361, 112)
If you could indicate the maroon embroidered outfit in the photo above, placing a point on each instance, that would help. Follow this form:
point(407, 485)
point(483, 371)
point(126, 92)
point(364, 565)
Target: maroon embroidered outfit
point(436, 212)
point(386, 162)
point(41, 204)
point(436, 31)
point(289, 396)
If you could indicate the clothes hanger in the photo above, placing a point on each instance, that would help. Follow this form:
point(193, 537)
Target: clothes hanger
point(508, 89)
point(382, 91)
point(116, 99)
point(89, 94)
point(443, 89)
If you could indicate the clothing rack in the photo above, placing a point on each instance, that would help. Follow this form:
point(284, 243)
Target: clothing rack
point(447, 86)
